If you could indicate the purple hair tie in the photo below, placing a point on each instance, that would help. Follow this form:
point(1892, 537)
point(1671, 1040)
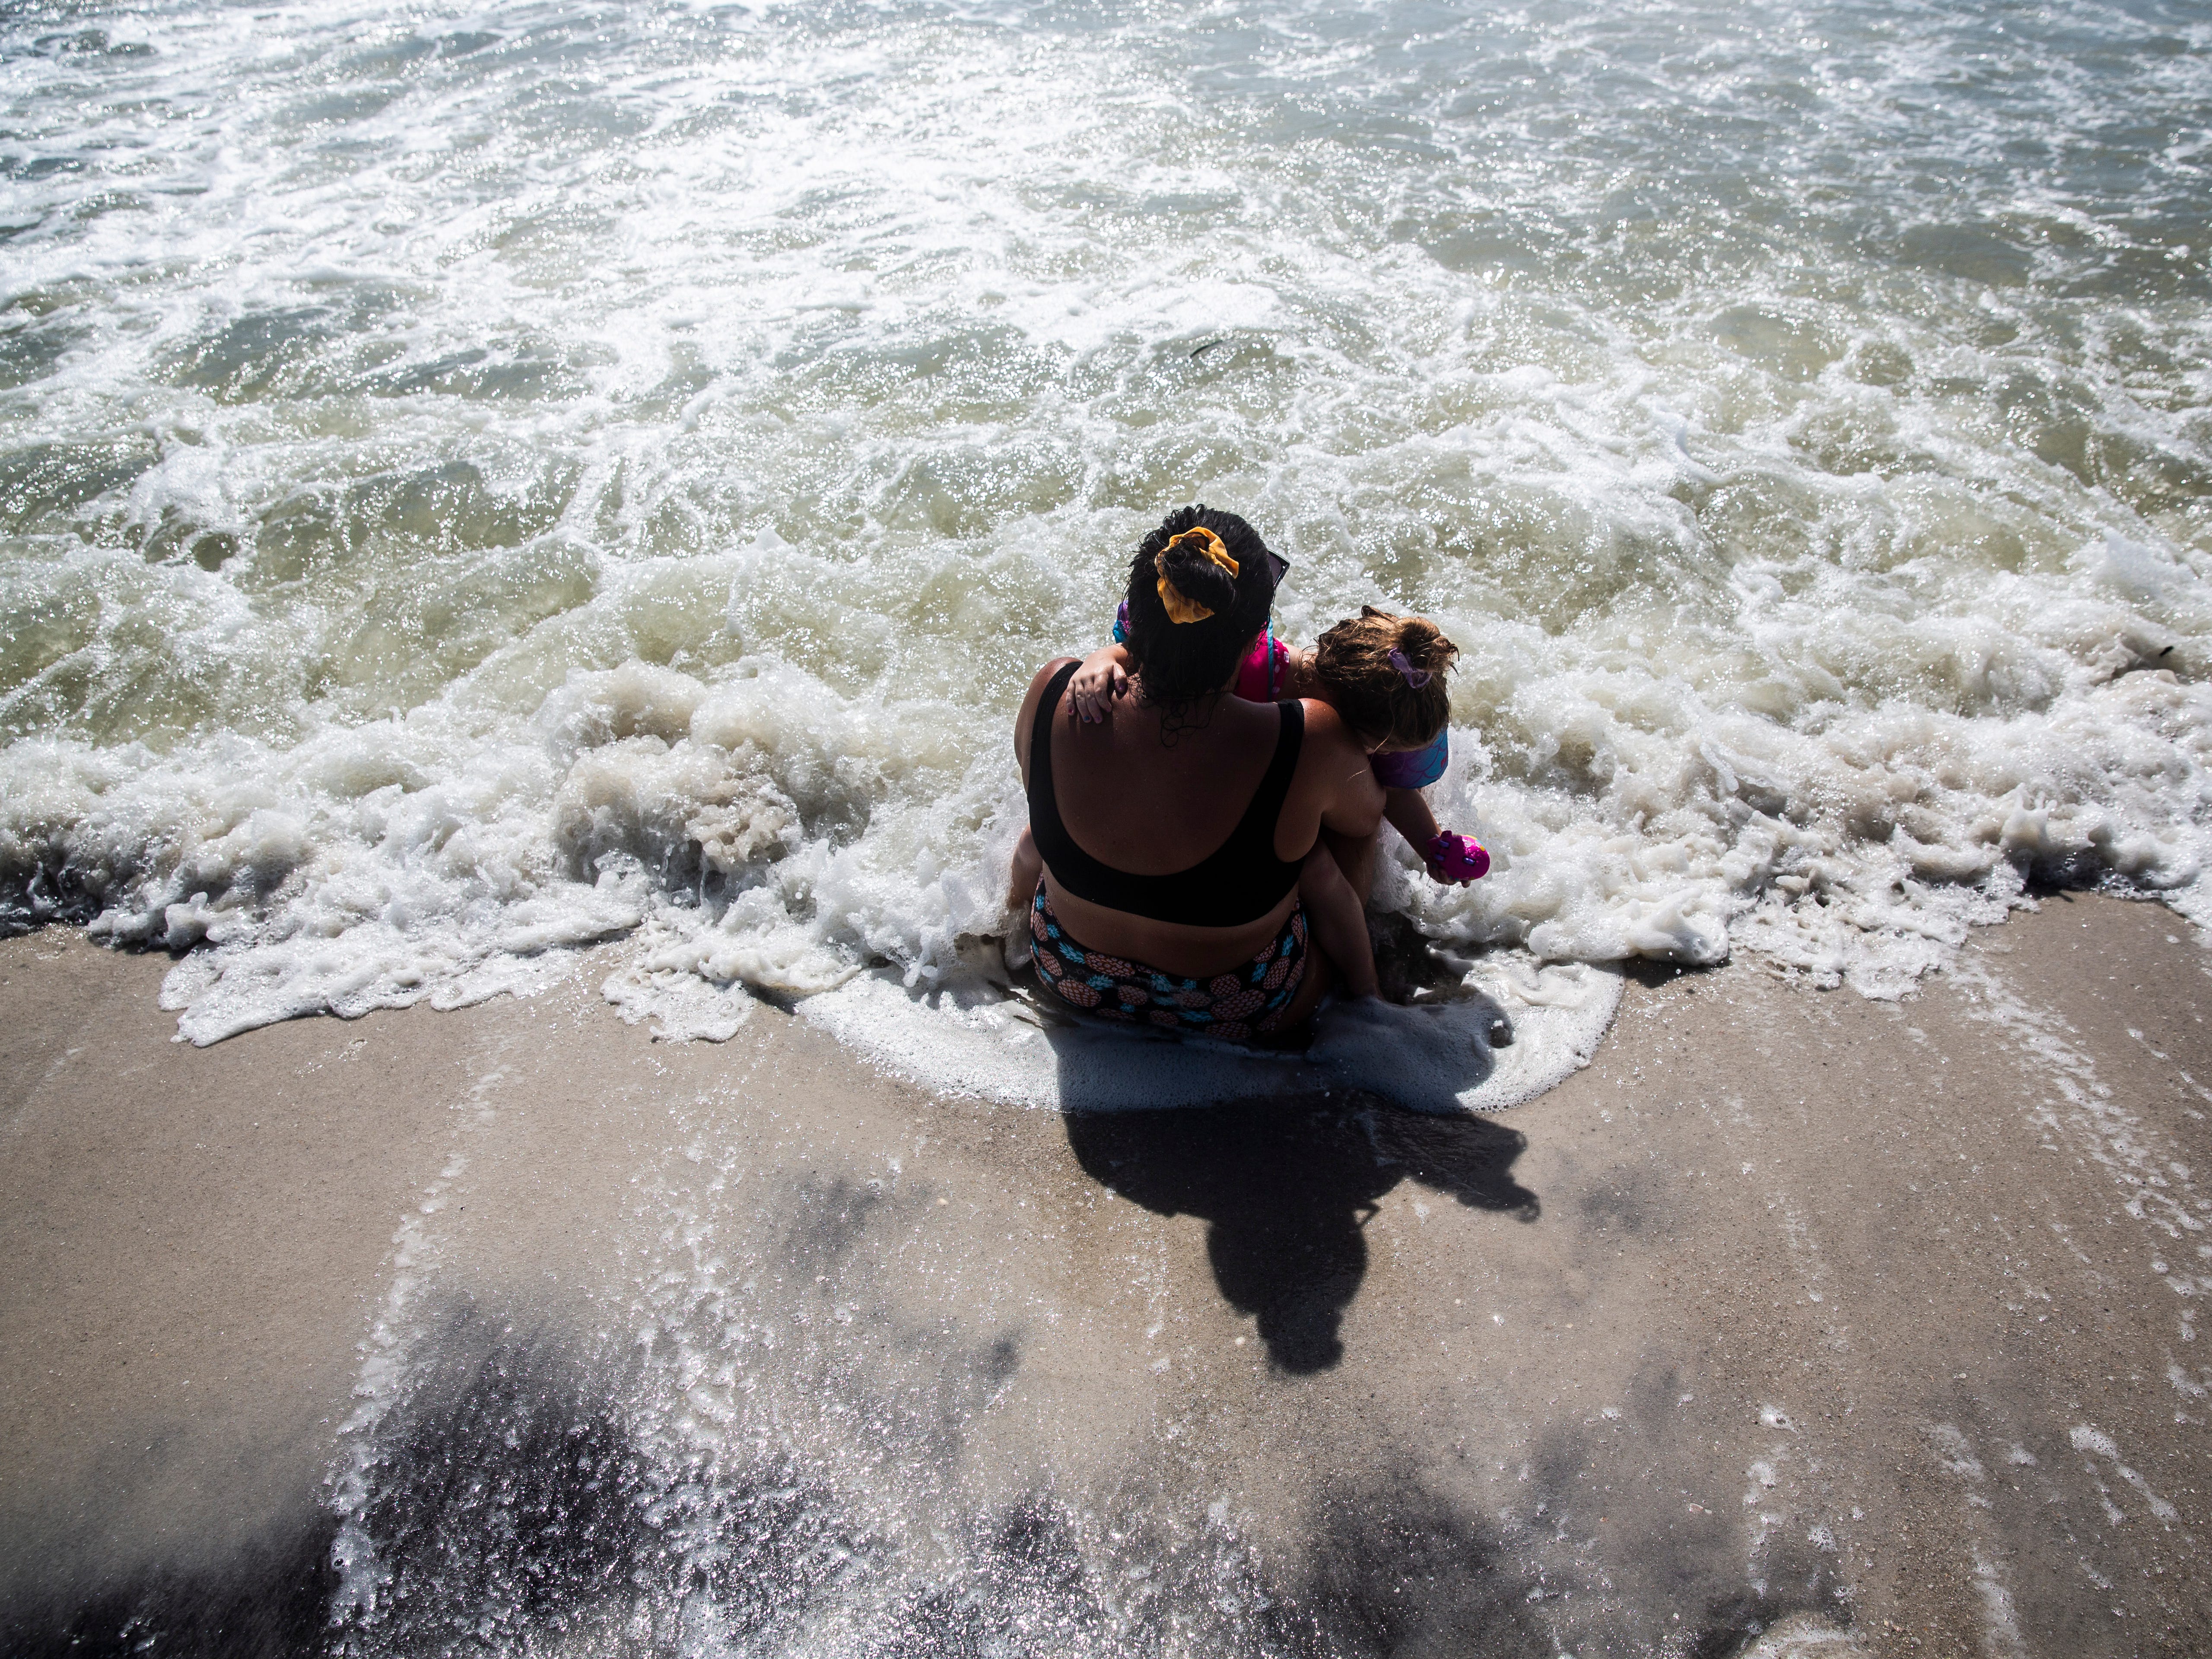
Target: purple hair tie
point(1416, 677)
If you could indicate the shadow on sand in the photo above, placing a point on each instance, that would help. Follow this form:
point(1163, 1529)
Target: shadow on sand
point(1287, 1188)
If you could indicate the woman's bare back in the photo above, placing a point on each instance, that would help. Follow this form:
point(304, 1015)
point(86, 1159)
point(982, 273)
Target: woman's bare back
point(1151, 807)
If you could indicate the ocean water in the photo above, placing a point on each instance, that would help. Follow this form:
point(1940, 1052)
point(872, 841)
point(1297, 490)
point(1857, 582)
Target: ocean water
point(476, 483)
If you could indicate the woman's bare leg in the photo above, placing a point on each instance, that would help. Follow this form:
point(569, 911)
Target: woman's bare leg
point(1339, 922)
point(1355, 856)
point(1294, 1032)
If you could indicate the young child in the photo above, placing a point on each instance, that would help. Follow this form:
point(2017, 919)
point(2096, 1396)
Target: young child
point(1385, 675)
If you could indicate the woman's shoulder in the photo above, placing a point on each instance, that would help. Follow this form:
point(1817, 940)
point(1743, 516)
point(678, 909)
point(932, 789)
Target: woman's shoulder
point(1334, 758)
point(1042, 679)
point(1325, 728)
point(1043, 676)
point(1027, 717)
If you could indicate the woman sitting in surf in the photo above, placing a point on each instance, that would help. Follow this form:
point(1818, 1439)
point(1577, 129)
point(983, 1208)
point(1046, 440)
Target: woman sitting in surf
point(1385, 674)
point(1168, 846)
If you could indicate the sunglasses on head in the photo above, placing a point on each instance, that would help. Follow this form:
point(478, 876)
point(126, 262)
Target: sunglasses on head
point(1279, 565)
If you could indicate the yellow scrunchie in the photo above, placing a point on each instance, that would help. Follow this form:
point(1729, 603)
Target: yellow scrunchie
point(1180, 609)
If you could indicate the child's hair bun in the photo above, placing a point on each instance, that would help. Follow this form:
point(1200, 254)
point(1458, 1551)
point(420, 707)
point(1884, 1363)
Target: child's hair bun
point(1386, 675)
point(1422, 640)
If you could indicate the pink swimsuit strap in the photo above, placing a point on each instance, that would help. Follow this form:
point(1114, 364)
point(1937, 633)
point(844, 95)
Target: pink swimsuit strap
point(1259, 677)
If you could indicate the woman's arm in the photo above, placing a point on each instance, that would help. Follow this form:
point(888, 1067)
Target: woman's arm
point(1338, 870)
point(1028, 864)
point(1351, 799)
point(1022, 879)
point(1026, 720)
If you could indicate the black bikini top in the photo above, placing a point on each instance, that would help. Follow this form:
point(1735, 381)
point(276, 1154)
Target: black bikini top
point(1238, 882)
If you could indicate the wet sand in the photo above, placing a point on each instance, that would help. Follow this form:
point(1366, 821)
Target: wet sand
point(1795, 1324)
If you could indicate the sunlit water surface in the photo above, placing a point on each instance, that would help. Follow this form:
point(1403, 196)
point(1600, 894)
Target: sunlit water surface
point(474, 483)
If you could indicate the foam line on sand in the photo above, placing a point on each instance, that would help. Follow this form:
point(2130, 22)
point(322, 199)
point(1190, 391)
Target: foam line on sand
point(1510, 1031)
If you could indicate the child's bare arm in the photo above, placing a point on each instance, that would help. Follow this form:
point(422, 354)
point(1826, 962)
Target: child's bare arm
point(1339, 921)
point(1298, 678)
point(1408, 810)
point(1104, 676)
point(1453, 860)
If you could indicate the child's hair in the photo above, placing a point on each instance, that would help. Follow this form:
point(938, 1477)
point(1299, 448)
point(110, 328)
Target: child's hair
point(1370, 664)
point(1178, 663)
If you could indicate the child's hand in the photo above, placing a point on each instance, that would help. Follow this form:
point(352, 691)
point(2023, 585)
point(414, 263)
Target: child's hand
point(1454, 860)
point(1101, 679)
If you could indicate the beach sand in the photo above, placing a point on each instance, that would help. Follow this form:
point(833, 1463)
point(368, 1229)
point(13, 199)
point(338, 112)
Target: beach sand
point(1793, 1315)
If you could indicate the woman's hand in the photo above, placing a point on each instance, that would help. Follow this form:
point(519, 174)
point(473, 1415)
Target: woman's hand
point(1097, 683)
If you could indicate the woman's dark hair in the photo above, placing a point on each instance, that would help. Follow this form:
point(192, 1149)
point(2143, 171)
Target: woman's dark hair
point(1178, 663)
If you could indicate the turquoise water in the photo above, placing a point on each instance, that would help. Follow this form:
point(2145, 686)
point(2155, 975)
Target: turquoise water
point(476, 481)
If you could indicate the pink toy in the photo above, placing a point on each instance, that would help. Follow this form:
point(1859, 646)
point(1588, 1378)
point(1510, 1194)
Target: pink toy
point(1456, 857)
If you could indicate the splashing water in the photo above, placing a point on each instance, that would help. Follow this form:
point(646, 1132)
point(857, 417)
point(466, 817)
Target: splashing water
point(478, 481)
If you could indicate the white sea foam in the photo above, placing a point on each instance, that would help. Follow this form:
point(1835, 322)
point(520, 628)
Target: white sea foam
point(1512, 1030)
point(475, 484)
